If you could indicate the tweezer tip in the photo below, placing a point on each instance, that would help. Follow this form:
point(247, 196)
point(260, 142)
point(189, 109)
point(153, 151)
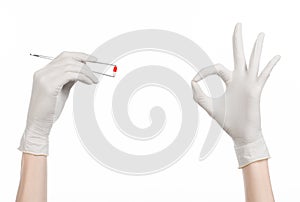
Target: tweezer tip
point(33, 55)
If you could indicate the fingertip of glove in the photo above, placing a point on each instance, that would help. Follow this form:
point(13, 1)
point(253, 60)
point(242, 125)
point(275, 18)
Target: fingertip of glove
point(92, 58)
point(278, 57)
point(261, 35)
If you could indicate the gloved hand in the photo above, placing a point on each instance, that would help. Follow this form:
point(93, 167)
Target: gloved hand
point(237, 111)
point(51, 87)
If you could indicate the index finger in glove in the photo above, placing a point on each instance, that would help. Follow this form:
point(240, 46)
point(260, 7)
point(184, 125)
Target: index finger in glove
point(77, 73)
point(217, 69)
point(81, 57)
point(199, 96)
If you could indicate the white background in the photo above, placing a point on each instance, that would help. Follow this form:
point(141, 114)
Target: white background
point(49, 27)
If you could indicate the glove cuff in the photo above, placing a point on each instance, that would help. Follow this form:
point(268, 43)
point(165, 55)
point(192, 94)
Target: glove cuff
point(252, 152)
point(34, 143)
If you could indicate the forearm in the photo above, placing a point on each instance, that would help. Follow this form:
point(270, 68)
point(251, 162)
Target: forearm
point(257, 182)
point(33, 182)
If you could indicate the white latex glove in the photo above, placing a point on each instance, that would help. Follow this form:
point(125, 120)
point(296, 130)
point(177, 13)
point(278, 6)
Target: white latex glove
point(51, 87)
point(237, 111)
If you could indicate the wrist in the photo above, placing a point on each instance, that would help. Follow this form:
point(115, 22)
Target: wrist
point(251, 151)
point(35, 140)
